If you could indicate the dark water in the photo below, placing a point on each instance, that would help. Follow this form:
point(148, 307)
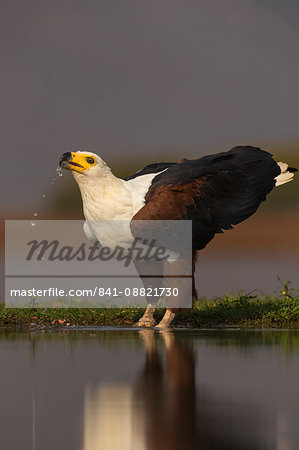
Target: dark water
point(130, 389)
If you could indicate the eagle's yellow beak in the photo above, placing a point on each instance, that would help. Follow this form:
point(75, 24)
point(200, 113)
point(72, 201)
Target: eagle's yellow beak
point(76, 161)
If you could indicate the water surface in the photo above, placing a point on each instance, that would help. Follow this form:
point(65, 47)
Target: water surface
point(127, 389)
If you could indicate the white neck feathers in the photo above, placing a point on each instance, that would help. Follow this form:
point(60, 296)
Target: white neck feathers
point(104, 196)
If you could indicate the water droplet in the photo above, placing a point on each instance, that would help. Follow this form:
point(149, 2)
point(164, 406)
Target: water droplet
point(59, 171)
point(44, 195)
point(32, 223)
point(35, 214)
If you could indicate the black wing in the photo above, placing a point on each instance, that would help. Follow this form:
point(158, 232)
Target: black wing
point(215, 192)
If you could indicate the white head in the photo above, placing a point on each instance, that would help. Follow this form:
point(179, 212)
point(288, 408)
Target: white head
point(99, 187)
point(84, 164)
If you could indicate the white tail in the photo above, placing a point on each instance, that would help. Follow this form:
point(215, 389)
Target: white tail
point(285, 175)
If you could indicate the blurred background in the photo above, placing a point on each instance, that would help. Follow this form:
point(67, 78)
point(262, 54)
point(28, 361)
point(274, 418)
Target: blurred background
point(139, 82)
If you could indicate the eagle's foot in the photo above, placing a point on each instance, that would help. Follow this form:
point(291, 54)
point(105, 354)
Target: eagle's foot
point(166, 320)
point(147, 320)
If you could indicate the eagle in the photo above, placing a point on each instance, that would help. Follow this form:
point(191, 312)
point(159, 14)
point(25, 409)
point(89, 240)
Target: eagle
point(215, 192)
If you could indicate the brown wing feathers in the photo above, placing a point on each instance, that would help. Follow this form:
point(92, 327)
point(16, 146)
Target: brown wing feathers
point(215, 192)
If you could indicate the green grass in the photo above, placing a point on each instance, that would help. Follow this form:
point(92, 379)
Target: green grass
point(230, 311)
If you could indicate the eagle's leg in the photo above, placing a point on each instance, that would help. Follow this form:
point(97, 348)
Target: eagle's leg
point(166, 319)
point(147, 320)
point(178, 275)
point(147, 271)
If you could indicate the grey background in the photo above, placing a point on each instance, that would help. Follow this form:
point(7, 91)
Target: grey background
point(135, 79)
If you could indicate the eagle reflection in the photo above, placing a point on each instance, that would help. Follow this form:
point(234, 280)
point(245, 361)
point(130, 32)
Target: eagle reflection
point(165, 409)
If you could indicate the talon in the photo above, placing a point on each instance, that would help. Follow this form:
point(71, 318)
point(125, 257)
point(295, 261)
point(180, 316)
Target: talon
point(147, 320)
point(147, 323)
point(162, 326)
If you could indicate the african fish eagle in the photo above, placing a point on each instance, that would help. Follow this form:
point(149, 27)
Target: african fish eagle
point(215, 192)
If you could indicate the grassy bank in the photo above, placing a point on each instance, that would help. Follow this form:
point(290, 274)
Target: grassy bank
point(229, 311)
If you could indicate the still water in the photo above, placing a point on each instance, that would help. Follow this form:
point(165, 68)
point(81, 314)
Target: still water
point(113, 389)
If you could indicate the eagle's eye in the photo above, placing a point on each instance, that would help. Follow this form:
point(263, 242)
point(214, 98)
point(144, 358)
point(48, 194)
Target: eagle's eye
point(90, 160)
